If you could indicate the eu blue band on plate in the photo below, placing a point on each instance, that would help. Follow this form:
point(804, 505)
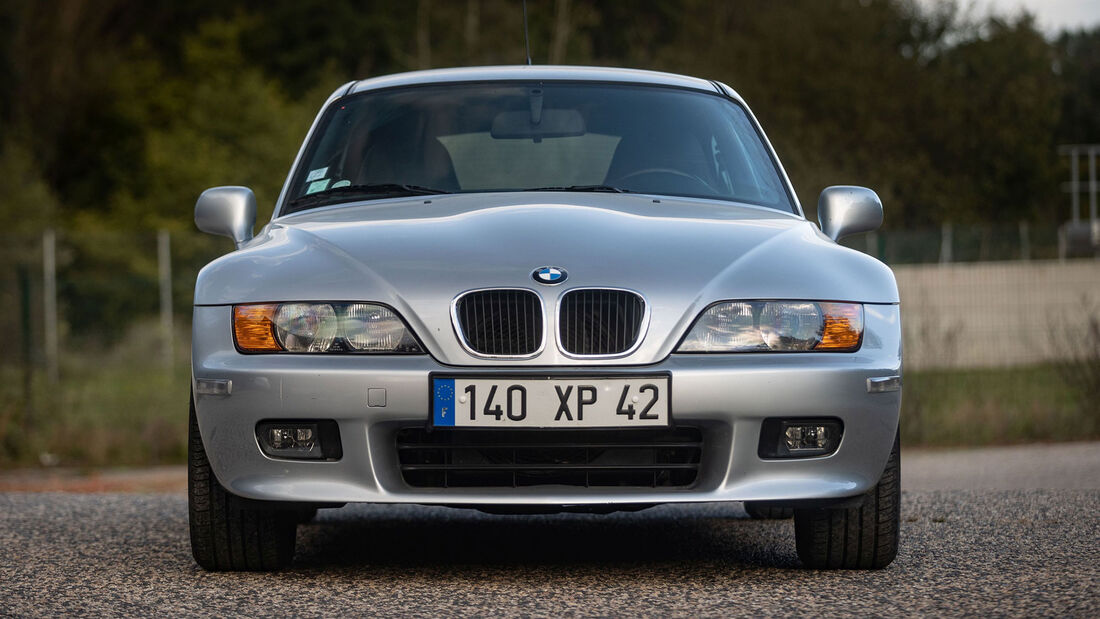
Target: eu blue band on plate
point(443, 406)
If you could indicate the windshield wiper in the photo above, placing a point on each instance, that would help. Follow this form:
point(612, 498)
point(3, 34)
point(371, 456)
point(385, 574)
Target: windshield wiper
point(606, 188)
point(352, 192)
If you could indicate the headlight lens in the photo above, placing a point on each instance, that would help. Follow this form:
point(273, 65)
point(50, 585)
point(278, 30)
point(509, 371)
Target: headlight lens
point(791, 326)
point(321, 328)
point(374, 328)
point(305, 327)
point(781, 326)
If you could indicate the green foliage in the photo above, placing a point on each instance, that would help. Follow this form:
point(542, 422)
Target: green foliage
point(947, 120)
point(129, 109)
point(995, 406)
point(217, 120)
point(299, 42)
point(1078, 64)
point(29, 203)
point(996, 137)
point(114, 407)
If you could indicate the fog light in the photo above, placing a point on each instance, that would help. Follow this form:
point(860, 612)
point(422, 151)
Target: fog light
point(307, 440)
point(300, 439)
point(806, 437)
point(799, 438)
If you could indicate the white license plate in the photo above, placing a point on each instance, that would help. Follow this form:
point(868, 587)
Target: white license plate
point(550, 402)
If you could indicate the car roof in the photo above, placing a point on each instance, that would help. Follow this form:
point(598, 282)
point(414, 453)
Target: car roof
point(533, 72)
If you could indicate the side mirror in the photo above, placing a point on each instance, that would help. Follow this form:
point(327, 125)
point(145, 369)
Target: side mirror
point(844, 210)
point(227, 211)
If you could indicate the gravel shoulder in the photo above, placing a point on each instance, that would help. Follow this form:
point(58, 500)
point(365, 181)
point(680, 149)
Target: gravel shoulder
point(147, 479)
point(1070, 466)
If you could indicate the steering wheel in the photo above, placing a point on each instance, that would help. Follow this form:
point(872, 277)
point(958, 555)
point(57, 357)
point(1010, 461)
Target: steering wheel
point(668, 171)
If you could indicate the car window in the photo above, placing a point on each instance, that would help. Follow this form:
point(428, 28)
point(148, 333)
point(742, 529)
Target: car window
point(513, 136)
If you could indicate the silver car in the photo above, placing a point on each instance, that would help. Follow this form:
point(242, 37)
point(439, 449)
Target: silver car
point(542, 289)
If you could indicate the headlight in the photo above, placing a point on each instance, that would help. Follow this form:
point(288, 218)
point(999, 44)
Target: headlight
point(374, 328)
point(321, 328)
point(305, 327)
point(782, 326)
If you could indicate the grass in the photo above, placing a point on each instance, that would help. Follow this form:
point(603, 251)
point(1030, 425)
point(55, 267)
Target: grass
point(123, 407)
point(117, 408)
point(995, 406)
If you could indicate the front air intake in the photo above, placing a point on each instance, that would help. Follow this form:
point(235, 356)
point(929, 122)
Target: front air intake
point(480, 458)
point(500, 322)
point(600, 322)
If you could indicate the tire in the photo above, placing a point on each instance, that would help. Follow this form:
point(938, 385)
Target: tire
point(864, 537)
point(229, 533)
point(761, 512)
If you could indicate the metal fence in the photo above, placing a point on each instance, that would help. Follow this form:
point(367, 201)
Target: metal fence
point(973, 243)
point(65, 291)
point(998, 314)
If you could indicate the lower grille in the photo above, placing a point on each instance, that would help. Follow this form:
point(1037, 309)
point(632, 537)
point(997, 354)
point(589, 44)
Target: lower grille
point(643, 458)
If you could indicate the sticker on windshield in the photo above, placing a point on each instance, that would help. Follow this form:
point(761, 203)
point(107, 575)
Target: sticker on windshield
point(338, 184)
point(316, 174)
point(316, 186)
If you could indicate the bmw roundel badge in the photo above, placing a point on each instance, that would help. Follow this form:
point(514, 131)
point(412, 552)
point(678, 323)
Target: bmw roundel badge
point(550, 275)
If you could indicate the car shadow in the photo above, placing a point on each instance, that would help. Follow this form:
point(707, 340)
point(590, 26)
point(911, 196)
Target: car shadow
point(440, 538)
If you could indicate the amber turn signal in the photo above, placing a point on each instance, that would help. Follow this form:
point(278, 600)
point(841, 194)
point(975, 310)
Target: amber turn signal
point(843, 326)
point(254, 329)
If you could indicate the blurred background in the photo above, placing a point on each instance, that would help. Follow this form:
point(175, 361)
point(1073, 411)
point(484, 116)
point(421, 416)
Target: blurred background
point(973, 122)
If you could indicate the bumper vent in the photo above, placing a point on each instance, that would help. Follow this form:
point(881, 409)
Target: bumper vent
point(500, 323)
point(598, 322)
point(650, 458)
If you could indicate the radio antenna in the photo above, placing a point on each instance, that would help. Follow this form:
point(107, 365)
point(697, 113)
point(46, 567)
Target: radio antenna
point(526, 37)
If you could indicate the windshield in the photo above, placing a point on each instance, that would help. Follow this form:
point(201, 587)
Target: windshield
point(515, 136)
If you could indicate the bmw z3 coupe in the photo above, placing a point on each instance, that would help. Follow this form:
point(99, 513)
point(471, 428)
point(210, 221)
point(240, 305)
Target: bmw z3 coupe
point(524, 289)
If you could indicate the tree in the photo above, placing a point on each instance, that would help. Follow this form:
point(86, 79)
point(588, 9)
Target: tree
point(1078, 64)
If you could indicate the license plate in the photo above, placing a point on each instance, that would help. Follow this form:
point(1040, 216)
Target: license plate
point(550, 402)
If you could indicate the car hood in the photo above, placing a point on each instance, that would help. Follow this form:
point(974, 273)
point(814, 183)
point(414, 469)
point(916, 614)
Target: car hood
point(417, 255)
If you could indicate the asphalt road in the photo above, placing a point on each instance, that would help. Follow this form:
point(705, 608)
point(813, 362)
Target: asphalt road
point(1001, 552)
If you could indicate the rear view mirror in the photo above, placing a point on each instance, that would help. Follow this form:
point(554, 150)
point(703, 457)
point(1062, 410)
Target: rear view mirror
point(518, 125)
point(227, 211)
point(844, 210)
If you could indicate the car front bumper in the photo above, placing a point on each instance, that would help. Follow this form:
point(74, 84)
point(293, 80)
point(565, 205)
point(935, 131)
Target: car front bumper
point(728, 396)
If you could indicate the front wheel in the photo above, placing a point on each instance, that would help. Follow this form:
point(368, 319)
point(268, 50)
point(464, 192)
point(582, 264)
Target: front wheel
point(227, 531)
point(864, 537)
